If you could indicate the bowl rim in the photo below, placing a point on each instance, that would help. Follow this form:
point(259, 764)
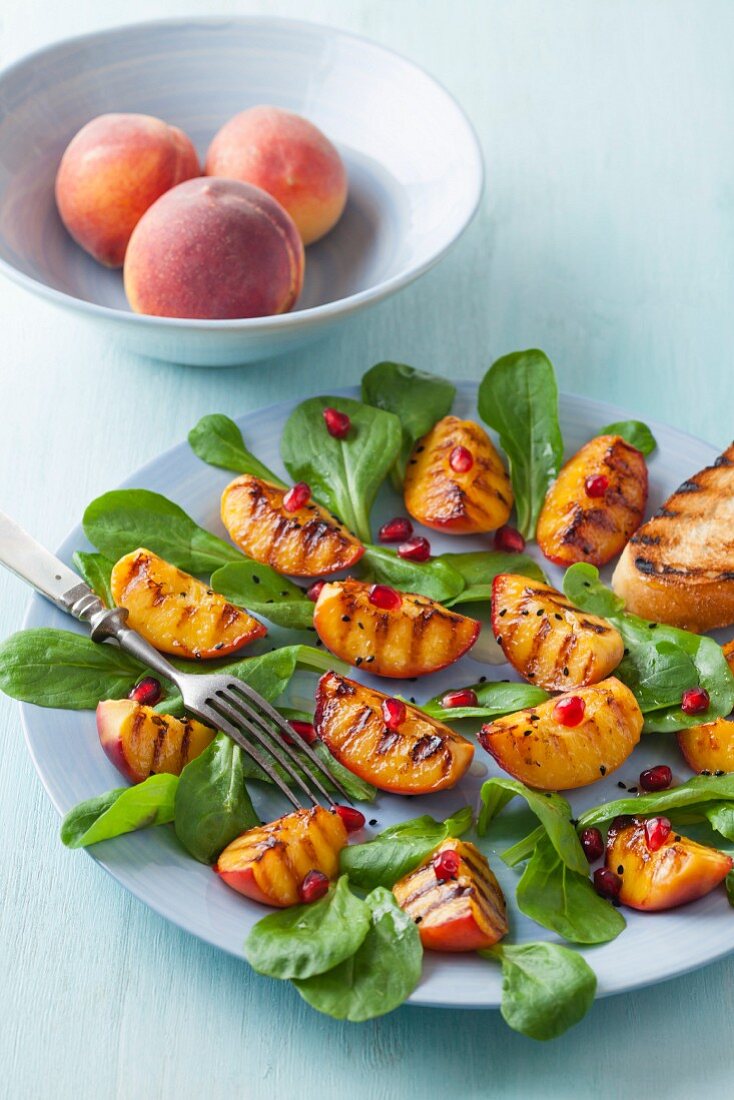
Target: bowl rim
point(305, 317)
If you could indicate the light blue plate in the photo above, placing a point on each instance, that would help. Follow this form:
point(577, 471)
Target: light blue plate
point(72, 766)
point(415, 169)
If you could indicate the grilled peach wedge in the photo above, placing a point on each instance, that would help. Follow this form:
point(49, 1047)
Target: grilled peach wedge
point(390, 633)
point(307, 542)
point(548, 640)
point(140, 742)
point(270, 862)
point(710, 747)
point(455, 480)
point(460, 911)
point(386, 742)
point(569, 741)
point(659, 868)
point(175, 612)
point(596, 503)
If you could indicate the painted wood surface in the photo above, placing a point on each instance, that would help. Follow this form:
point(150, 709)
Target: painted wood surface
point(605, 237)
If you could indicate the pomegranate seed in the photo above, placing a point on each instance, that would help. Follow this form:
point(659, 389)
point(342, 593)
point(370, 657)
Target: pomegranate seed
point(464, 697)
point(569, 711)
point(607, 883)
point(337, 423)
point(396, 530)
point(147, 691)
point(446, 865)
point(305, 731)
point(461, 460)
point(314, 591)
point(695, 701)
point(657, 831)
point(393, 713)
point(657, 778)
point(593, 844)
point(353, 819)
point(509, 539)
point(384, 597)
point(297, 497)
point(417, 549)
point(597, 485)
point(315, 884)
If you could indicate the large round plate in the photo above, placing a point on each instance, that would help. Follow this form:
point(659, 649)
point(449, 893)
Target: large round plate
point(151, 865)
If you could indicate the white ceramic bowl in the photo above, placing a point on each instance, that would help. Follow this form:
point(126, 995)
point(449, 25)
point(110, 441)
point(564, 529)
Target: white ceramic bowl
point(415, 169)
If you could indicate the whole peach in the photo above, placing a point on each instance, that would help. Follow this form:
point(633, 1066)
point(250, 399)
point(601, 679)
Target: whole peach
point(289, 158)
point(214, 248)
point(111, 172)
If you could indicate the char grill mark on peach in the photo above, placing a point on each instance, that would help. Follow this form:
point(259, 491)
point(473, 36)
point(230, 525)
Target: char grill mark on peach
point(422, 756)
point(308, 542)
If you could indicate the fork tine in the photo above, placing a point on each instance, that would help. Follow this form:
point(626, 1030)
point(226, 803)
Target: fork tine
point(239, 687)
point(234, 732)
point(224, 706)
point(280, 749)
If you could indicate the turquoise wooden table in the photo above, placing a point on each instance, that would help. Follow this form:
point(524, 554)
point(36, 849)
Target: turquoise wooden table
point(606, 237)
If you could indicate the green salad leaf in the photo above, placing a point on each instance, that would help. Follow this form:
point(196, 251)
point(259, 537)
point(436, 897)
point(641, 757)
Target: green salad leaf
point(435, 579)
point(309, 939)
point(96, 570)
point(419, 400)
point(265, 593)
point(344, 474)
point(379, 976)
point(56, 668)
point(660, 661)
point(399, 849)
point(518, 397)
point(693, 795)
point(125, 519)
point(633, 432)
point(552, 811)
point(217, 440)
point(564, 900)
point(212, 804)
point(122, 810)
point(729, 884)
point(546, 988)
point(493, 700)
point(480, 567)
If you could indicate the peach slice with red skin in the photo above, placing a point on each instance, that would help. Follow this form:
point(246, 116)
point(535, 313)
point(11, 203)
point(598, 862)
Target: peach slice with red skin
point(678, 871)
point(548, 640)
point(414, 637)
point(413, 755)
point(596, 503)
point(537, 748)
point(464, 913)
point(175, 612)
point(269, 863)
point(140, 742)
point(309, 542)
point(455, 480)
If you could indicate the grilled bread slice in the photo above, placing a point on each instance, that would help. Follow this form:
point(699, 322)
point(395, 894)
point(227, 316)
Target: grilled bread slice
point(679, 567)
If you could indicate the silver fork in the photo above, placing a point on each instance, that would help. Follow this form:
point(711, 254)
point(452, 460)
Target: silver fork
point(218, 700)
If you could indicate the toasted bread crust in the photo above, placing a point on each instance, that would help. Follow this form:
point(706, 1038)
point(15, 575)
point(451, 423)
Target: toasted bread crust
point(679, 567)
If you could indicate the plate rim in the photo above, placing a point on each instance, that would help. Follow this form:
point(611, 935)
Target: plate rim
point(416, 999)
point(305, 318)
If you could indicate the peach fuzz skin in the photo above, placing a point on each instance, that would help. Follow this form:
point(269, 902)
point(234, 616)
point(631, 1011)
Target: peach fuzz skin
point(216, 249)
point(112, 171)
point(289, 158)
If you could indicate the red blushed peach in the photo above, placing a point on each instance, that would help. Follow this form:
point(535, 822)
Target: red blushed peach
point(214, 248)
point(141, 742)
point(111, 172)
point(289, 158)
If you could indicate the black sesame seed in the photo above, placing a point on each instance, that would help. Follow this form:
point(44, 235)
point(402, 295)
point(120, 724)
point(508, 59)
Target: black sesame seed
point(557, 616)
point(255, 578)
point(620, 870)
point(524, 612)
point(219, 645)
point(540, 611)
point(653, 626)
point(626, 653)
point(499, 639)
point(361, 626)
point(373, 821)
point(621, 785)
point(526, 733)
point(358, 661)
point(418, 919)
point(565, 670)
point(346, 619)
point(677, 836)
point(412, 699)
point(482, 679)
point(603, 769)
point(370, 660)
point(632, 790)
point(719, 771)
point(705, 772)
point(503, 612)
